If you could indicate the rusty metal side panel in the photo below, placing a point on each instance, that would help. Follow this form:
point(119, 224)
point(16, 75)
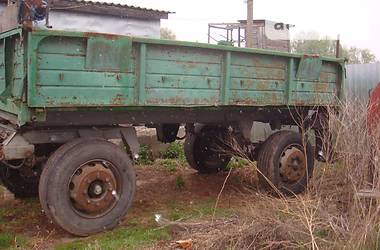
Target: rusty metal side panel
point(257, 80)
point(309, 68)
point(12, 77)
point(12, 68)
point(68, 71)
point(187, 76)
point(108, 53)
point(315, 83)
point(182, 76)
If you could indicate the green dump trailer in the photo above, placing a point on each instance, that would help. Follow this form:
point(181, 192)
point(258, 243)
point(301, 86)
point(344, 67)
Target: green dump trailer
point(65, 95)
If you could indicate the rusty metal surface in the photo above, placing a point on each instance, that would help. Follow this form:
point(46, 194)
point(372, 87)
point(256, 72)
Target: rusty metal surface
point(93, 188)
point(170, 75)
point(71, 70)
point(227, 115)
point(292, 165)
point(310, 68)
point(17, 148)
point(108, 53)
point(374, 110)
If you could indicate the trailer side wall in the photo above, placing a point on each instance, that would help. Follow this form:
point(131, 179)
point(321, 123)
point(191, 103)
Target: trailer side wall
point(87, 70)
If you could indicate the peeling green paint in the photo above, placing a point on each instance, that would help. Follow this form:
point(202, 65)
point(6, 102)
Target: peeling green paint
point(76, 71)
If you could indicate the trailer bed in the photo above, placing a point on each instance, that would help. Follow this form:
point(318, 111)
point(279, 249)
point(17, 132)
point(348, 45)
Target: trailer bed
point(46, 70)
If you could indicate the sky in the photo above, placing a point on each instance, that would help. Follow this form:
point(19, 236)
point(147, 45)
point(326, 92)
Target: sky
point(355, 21)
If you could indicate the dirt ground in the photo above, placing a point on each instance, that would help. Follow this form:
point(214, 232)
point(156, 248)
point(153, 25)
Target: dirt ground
point(180, 194)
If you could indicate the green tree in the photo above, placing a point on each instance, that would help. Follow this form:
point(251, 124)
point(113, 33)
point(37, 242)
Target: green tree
point(167, 33)
point(311, 43)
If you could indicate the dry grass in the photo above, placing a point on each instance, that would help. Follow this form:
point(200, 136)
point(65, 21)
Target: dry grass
point(330, 215)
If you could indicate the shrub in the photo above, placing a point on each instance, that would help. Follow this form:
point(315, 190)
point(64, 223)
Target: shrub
point(237, 162)
point(332, 214)
point(174, 151)
point(145, 155)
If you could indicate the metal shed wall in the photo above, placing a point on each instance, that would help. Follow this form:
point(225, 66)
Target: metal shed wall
point(361, 79)
point(266, 38)
point(98, 23)
point(84, 22)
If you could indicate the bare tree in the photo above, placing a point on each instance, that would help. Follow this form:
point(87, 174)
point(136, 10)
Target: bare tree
point(168, 34)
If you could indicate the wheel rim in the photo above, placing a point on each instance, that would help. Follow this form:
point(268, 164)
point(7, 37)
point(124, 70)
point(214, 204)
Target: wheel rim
point(94, 189)
point(292, 164)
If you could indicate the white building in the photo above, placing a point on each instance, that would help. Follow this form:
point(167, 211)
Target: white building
point(89, 16)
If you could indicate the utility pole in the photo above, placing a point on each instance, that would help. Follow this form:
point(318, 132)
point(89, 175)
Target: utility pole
point(338, 55)
point(249, 29)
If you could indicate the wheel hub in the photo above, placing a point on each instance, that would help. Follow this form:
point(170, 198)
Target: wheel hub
point(96, 189)
point(92, 188)
point(292, 165)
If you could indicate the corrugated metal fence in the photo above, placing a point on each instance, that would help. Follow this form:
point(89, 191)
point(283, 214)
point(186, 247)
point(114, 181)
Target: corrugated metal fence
point(361, 79)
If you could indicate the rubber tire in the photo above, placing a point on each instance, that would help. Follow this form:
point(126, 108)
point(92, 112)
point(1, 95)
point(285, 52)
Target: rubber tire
point(54, 190)
point(17, 184)
point(192, 147)
point(269, 159)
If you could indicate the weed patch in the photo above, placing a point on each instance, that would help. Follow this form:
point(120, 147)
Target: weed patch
point(199, 210)
point(169, 164)
point(174, 151)
point(6, 240)
point(10, 241)
point(130, 238)
point(237, 162)
point(330, 214)
point(145, 156)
